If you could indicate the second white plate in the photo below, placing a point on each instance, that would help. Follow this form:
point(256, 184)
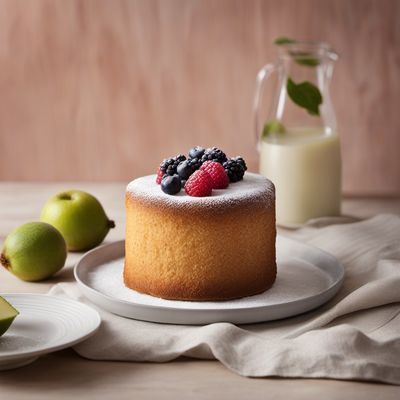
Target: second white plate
point(307, 277)
point(45, 323)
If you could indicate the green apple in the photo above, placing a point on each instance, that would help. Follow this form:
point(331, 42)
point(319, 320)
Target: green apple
point(79, 217)
point(34, 251)
point(7, 315)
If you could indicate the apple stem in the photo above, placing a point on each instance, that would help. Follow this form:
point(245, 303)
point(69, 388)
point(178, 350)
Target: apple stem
point(111, 224)
point(4, 261)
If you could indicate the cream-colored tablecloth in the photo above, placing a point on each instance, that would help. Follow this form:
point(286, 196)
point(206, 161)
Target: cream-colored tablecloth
point(354, 336)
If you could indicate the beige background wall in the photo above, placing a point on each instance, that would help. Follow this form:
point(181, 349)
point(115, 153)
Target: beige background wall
point(103, 90)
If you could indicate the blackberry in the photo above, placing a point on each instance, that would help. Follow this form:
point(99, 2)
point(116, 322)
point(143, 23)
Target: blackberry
point(214, 154)
point(234, 169)
point(187, 167)
point(169, 165)
point(171, 184)
point(195, 163)
point(241, 161)
point(196, 152)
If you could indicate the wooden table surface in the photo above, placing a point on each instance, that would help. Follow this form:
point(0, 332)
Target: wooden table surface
point(64, 374)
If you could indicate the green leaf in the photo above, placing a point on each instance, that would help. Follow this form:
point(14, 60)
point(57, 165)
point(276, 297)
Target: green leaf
point(305, 59)
point(305, 95)
point(273, 126)
point(300, 57)
point(283, 40)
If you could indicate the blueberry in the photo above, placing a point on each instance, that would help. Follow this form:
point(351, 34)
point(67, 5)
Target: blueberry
point(196, 152)
point(184, 170)
point(171, 184)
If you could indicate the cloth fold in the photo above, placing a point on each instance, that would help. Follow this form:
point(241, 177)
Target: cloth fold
point(356, 335)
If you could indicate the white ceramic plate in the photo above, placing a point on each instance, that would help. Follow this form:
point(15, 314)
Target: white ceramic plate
point(307, 277)
point(44, 324)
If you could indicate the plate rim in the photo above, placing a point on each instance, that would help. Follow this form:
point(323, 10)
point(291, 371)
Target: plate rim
point(51, 349)
point(335, 285)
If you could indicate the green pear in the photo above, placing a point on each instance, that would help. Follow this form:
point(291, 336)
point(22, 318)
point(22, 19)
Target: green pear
point(7, 315)
point(79, 217)
point(34, 251)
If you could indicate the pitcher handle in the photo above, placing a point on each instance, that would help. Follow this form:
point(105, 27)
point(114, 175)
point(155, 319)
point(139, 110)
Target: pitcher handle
point(262, 75)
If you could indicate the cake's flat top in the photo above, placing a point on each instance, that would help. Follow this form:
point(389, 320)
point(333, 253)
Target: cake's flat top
point(254, 188)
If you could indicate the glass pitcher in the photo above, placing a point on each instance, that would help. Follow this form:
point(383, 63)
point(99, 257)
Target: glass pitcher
point(297, 135)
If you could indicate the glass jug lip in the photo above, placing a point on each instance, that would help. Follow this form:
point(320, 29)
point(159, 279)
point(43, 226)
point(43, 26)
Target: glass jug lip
point(303, 49)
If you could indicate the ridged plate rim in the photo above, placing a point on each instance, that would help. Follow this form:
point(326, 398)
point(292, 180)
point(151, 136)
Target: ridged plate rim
point(49, 302)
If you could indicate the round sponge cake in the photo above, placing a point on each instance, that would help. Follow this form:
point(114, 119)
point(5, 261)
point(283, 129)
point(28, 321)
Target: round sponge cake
point(219, 247)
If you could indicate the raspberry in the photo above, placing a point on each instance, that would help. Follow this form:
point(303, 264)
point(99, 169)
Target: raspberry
point(199, 184)
point(217, 172)
point(160, 175)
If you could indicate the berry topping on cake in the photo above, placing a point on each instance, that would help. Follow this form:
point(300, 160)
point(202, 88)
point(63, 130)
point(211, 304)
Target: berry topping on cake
point(214, 154)
point(235, 168)
point(171, 184)
point(212, 161)
point(160, 175)
point(195, 163)
point(199, 184)
point(169, 165)
point(240, 161)
point(218, 174)
point(187, 167)
point(184, 169)
point(196, 152)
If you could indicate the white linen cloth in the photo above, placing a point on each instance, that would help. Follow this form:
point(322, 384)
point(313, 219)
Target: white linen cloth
point(354, 336)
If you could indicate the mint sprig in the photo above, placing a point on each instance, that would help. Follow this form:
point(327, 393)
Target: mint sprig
point(271, 127)
point(301, 58)
point(283, 40)
point(305, 95)
point(305, 59)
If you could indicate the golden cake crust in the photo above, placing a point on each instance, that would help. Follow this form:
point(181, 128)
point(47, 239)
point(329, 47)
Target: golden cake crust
point(216, 248)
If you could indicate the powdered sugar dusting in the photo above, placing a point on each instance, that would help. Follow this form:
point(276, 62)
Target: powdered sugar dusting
point(253, 188)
